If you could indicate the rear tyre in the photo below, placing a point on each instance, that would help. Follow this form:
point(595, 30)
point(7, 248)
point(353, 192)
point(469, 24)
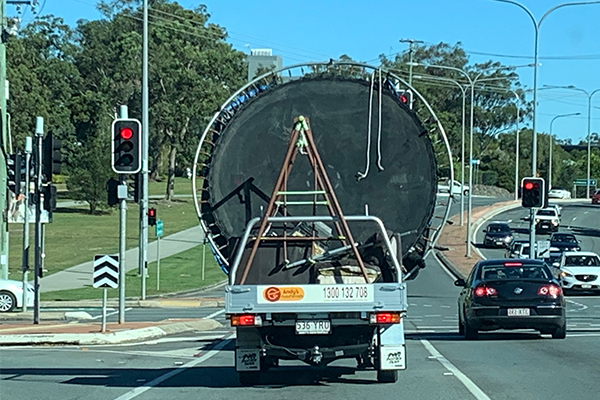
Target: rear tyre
point(249, 378)
point(560, 332)
point(470, 332)
point(461, 326)
point(8, 301)
point(387, 376)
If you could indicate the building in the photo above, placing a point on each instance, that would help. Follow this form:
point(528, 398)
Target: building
point(262, 60)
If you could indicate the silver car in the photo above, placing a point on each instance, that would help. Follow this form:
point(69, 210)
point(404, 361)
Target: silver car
point(11, 295)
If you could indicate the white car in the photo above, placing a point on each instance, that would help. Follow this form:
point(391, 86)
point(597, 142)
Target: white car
point(11, 295)
point(579, 270)
point(457, 188)
point(559, 193)
point(546, 220)
point(556, 207)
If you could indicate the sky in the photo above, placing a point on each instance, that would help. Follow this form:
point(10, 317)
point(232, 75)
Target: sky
point(317, 30)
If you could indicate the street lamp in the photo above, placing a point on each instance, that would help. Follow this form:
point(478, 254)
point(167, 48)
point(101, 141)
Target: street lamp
point(551, 146)
point(589, 127)
point(463, 89)
point(472, 84)
point(536, 25)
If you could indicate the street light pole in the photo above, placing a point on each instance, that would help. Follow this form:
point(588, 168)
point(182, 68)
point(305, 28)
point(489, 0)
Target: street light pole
point(536, 25)
point(463, 90)
point(551, 146)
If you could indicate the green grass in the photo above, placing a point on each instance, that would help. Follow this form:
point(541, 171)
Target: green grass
point(179, 272)
point(75, 236)
point(183, 186)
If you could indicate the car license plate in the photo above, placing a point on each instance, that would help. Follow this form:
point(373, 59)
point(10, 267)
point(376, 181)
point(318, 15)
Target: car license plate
point(313, 327)
point(586, 286)
point(499, 243)
point(518, 312)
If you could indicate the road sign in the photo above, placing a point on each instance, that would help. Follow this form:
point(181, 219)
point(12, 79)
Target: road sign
point(106, 271)
point(543, 249)
point(583, 182)
point(475, 162)
point(159, 228)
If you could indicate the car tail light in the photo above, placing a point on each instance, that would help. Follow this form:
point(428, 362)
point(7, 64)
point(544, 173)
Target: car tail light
point(246, 320)
point(550, 291)
point(483, 291)
point(513, 264)
point(385, 318)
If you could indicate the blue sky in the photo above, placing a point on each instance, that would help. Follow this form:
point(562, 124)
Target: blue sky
point(312, 30)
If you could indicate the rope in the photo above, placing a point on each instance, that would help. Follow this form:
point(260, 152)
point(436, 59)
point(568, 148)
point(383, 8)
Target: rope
point(379, 127)
point(363, 175)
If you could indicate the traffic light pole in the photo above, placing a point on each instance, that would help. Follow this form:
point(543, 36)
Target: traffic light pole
point(39, 133)
point(532, 233)
point(122, 237)
point(25, 261)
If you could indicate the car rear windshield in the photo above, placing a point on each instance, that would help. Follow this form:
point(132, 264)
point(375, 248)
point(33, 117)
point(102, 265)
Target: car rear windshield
point(502, 272)
point(547, 212)
point(582, 261)
point(564, 238)
point(498, 228)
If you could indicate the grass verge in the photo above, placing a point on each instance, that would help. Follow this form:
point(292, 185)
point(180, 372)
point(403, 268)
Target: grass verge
point(179, 272)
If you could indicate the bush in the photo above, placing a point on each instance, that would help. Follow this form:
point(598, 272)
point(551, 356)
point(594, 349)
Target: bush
point(489, 178)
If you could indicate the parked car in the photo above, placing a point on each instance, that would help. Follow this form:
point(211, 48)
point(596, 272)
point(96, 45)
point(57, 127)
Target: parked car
point(559, 193)
point(565, 242)
point(596, 197)
point(546, 220)
point(497, 234)
point(11, 295)
point(510, 294)
point(579, 270)
point(457, 188)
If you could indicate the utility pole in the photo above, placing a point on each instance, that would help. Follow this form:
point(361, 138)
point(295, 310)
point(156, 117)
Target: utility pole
point(124, 113)
point(411, 45)
point(143, 235)
point(25, 263)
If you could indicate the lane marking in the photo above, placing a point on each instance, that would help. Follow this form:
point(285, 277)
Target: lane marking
point(427, 305)
point(444, 268)
point(583, 306)
point(468, 383)
point(433, 316)
point(112, 313)
point(157, 381)
point(214, 314)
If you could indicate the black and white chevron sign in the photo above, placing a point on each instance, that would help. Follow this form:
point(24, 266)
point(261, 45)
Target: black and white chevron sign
point(106, 271)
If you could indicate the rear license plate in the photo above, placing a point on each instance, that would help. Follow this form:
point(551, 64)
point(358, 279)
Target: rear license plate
point(313, 327)
point(586, 286)
point(499, 243)
point(518, 312)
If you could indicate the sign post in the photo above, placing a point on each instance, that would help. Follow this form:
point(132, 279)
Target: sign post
point(543, 249)
point(159, 233)
point(106, 275)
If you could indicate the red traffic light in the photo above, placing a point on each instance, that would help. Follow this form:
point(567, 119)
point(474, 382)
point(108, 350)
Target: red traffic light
point(126, 133)
point(528, 185)
point(152, 212)
point(404, 98)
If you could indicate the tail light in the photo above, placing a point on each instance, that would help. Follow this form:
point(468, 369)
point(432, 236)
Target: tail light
point(246, 320)
point(550, 291)
point(484, 291)
point(385, 318)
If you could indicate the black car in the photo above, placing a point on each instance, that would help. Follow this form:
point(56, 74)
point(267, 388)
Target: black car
point(564, 242)
point(497, 234)
point(511, 294)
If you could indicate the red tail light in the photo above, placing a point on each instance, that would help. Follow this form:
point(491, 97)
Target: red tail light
point(246, 320)
point(483, 291)
point(385, 318)
point(550, 291)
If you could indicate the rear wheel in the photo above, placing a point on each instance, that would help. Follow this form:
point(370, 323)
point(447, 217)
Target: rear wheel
point(470, 332)
point(8, 301)
point(461, 326)
point(560, 332)
point(387, 376)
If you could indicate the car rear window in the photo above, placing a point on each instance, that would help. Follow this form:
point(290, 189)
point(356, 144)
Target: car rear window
point(547, 212)
point(582, 261)
point(498, 228)
point(564, 238)
point(502, 272)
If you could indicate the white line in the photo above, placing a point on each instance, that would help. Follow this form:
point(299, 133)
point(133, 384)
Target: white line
point(444, 268)
point(109, 314)
point(583, 306)
point(214, 314)
point(433, 316)
point(471, 387)
point(142, 389)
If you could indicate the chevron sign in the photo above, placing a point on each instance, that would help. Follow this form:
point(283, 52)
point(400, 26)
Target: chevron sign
point(106, 271)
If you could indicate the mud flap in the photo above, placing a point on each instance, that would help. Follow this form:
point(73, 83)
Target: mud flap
point(392, 352)
point(247, 359)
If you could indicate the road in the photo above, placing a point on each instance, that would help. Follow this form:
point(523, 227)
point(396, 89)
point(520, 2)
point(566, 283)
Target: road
point(441, 364)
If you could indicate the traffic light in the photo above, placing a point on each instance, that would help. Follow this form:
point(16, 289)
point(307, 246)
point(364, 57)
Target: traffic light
point(135, 187)
point(49, 192)
point(126, 146)
point(151, 216)
point(112, 190)
point(51, 157)
point(16, 169)
point(405, 97)
point(534, 193)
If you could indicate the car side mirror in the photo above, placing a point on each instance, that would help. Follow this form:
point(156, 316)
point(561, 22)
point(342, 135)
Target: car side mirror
point(459, 282)
point(484, 231)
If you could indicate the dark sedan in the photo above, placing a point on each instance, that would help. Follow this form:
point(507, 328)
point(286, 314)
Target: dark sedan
point(511, 294)
point(498, 234)
point(564, 242)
